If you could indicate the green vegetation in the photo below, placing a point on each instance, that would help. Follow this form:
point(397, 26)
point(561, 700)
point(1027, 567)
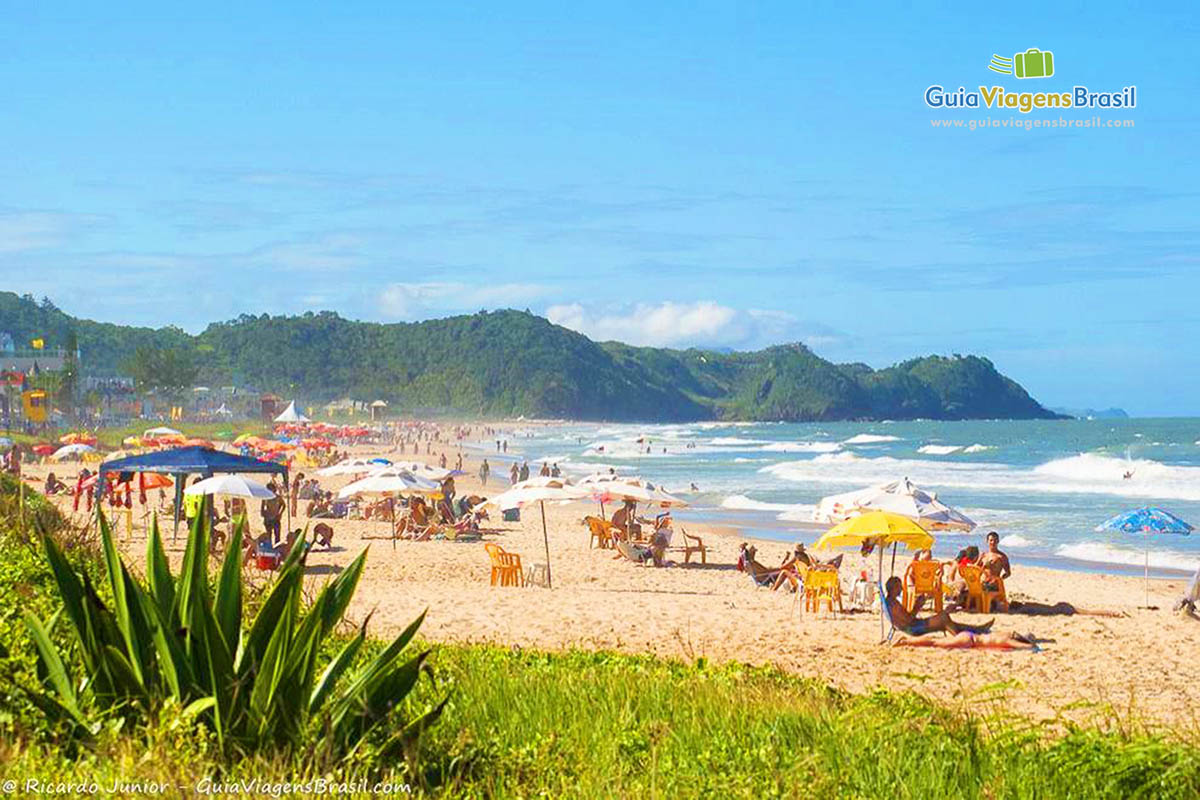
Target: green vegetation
point(507, 363)
point(525, 724)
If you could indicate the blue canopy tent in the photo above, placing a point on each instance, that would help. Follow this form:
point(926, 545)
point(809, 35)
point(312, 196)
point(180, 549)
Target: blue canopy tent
point(183, 461)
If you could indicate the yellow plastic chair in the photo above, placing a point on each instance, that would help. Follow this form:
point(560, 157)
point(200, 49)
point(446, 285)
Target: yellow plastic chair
point(506, 567)
point(979, 598)
point(601, 532)
point(923, 579)
point(822, 586)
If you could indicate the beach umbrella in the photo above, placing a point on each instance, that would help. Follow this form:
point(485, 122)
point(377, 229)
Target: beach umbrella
point(162, 431)
point(5, 443)
point(234, 485)
point(539, 490)
point(71, 450)
point(1147, 521)
point(132, 441)
point(43, 449)
point(901, 497)
point(389, 480)
point(431, 473)
point(878, 528)
point(352, 466)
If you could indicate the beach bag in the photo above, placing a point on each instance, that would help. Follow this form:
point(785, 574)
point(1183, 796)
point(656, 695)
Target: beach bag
point(512, 515)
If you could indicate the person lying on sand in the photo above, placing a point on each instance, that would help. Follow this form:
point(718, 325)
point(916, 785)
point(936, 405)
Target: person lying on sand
point(908, 622)
point(966, 640)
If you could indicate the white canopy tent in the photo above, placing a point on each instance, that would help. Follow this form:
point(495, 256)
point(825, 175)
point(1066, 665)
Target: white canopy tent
point(162, 431)
point(290, 414)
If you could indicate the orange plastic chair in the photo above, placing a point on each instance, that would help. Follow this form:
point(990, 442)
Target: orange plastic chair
point(506, 567)
point(601, 531)
point(822, 585)
point(978, 597)
point(925, 578)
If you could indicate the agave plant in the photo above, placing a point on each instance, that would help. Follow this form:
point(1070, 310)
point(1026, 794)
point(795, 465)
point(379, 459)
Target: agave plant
point(256, 685)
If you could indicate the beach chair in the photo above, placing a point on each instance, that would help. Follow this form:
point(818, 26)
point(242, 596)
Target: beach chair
point(978, 597)
point(886, 612)
point(693, 544)
point(637, 553)
point(506, 567)
point(923, 579)
point(601, 532)
point(822, 586)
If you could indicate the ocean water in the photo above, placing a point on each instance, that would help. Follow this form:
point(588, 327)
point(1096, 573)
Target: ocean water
point(1042, 485)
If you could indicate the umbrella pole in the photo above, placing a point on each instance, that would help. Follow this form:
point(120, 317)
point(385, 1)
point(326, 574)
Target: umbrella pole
point(882, 597)
point(1146, 577)
point(894, 544)
point(546, 539)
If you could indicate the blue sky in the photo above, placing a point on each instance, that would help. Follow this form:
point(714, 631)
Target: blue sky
point(684, 174)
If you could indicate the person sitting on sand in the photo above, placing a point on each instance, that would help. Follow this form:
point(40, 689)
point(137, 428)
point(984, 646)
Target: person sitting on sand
point(908, 622)
point(995, 564)
point(957, 585)
point(53, 485)
point(324, 534)
point(625, 518)
point(966, 639)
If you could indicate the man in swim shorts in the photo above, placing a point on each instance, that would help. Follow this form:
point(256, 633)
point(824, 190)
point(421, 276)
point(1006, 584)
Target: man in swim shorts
point(908, 622)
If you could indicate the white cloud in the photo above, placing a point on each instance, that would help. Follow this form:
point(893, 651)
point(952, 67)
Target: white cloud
point(703, 323)
point(419, 300)
point(37, 230)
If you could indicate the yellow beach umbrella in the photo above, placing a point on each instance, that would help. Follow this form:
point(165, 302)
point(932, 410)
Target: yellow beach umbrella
point(879, 528)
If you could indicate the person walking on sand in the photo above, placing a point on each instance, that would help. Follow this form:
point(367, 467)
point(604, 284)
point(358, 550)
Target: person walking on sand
point(484, 472)
point(295, 493)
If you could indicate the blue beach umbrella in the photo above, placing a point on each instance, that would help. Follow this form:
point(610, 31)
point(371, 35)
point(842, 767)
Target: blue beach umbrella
point(1147, 521)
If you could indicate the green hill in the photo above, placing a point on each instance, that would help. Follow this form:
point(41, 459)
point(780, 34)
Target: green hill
point(506, 363)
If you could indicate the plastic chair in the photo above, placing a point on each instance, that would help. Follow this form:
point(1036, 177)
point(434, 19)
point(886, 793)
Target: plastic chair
point(693, 544)
point(506, 567)
point(601, 532)
point(978, 597)
point(925, 578)
point(822, 585)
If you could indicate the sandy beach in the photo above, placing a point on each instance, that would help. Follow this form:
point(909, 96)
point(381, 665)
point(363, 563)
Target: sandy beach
point(1135, 668)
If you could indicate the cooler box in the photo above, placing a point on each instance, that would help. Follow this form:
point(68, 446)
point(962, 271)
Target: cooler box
point(512, 515)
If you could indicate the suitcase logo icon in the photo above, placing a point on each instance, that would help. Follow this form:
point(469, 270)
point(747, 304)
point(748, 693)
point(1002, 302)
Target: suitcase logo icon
point(1033, 63)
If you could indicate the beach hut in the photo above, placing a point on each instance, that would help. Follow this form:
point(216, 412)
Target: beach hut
point(378, 409)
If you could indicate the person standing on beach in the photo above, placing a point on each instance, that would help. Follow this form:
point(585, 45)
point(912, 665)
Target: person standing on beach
point(272, 512)
point(295, 493)
point(525, 471)
point(545, 472)
point(514, 474)
point(484, 471)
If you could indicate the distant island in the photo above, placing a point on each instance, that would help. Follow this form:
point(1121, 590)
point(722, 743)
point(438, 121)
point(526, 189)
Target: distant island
point(510, 363)
point(1091, 413)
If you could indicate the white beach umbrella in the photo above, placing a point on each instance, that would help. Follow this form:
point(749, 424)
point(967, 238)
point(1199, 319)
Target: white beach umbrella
point(162, 431)
point(901, 497)
point(233, 485)
point(71, 450)
point(539, 490)
point(389, 480)
point(352, 466)
point(430, 473)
